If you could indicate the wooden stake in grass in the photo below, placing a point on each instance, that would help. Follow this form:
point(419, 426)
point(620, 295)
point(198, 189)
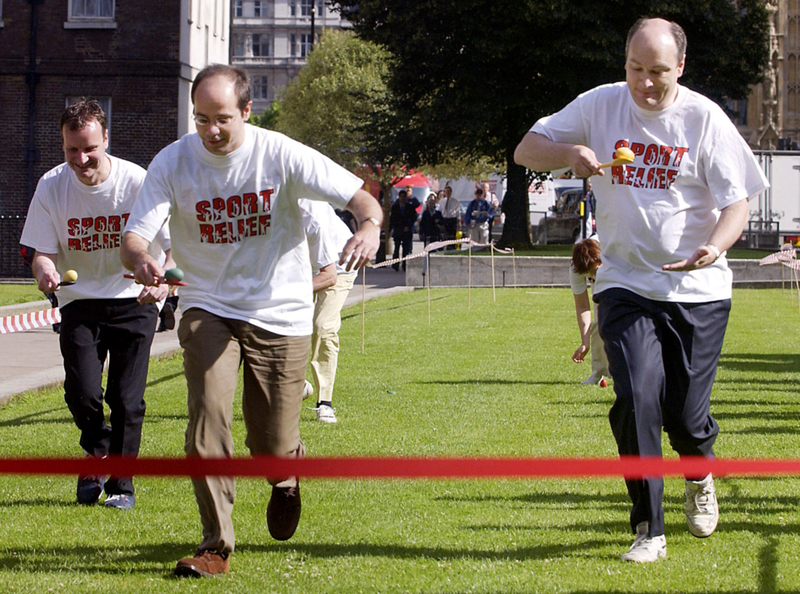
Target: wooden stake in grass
point(469, 276)
point(428, 278)
point(514, 265)
point(363, 301)
point(491, 250)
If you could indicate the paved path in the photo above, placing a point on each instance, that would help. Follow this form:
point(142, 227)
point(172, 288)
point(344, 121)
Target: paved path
point(31, 360)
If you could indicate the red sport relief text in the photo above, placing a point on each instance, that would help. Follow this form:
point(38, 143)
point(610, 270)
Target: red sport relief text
point(227, 220)
point(89, 234)
point(656, 166)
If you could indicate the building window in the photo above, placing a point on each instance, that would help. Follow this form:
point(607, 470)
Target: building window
point(105, 103)
point(305, 7)
point(91, 14)
point(260, 87)
point(293, 8)
point(91, 9)
point(303, 48)
point(261, 44)
point(257, 8)
point(239, 8)
point(238, 45)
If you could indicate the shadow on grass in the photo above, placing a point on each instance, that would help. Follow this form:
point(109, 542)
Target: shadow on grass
point(97, 560)
point(760, 363)
point(164, 379)
point(37, 418)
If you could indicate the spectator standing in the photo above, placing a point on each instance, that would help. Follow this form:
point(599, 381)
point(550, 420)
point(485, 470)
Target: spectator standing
point(491, 198)
point(451, 213)
point(479, 212)
point(431, 222)
point(401, 222)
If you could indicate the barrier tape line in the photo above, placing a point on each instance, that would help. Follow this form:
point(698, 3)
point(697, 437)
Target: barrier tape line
point(436, 245)
point(398, 468)
point(29, 321)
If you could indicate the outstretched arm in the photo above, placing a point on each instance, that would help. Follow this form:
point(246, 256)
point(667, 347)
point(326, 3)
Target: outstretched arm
point(539, 153)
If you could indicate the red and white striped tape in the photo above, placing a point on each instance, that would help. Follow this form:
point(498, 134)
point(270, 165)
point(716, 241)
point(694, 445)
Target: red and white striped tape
point(30, 320)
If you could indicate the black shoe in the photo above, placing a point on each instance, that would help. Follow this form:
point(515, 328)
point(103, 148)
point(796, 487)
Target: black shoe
point(283, 512)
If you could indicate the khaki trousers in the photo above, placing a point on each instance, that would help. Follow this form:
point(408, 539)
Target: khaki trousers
point(325, 339)
point(274, 375)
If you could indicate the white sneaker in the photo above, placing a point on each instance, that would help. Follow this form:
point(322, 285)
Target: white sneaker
point(326, 414)
point(702, 510)
point(308, 390)
point(592, 380)
point(646, 549)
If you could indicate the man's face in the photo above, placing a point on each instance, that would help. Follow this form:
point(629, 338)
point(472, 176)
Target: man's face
point(653, 67)
point(447, 192)
point(218, 119)
point(85, 151)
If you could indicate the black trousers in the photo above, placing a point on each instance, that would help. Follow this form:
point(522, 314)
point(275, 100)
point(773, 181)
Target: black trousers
point(404, 240)
point(91, 330)
point(663, 357)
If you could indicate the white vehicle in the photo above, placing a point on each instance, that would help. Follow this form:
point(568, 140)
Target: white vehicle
point(775, 213)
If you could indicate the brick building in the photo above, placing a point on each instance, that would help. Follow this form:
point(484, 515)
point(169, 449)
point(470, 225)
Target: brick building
point(137, 58)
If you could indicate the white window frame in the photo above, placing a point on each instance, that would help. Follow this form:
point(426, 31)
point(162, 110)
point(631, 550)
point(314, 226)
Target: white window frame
point(258, 9)
point(89, 21)
point(105, 103)
point(238, 7)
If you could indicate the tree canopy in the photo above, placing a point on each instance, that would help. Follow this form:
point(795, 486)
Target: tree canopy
point(468, 78)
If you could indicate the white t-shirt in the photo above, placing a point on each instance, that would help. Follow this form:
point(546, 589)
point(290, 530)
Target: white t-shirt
point(691, 162)
point(326, 234)
point(83, 226)
point(236, 226)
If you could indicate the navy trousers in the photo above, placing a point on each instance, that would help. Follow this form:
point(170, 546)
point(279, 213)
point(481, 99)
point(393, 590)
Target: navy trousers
point(122, 330)
point(663, 357)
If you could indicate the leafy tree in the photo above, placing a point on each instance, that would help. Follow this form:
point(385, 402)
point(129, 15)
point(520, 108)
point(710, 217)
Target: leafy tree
point(335, 104)
point(470, 77)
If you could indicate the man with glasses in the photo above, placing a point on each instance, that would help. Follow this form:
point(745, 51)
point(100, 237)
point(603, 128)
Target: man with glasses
point(231, 193)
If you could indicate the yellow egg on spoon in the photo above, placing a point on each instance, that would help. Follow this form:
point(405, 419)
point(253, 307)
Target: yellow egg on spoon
point(625, 156)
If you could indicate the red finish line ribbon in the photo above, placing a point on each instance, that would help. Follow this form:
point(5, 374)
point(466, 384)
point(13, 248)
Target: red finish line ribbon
point(269, 466)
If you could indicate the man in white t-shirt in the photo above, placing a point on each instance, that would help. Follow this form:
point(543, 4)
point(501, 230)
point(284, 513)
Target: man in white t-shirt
point(327, 235)
point(75, 222)
point(231, 192)
point(664, 223)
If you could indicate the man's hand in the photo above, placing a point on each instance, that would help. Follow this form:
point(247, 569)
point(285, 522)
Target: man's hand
point(135, 257)
point(583, 162)
point(361, 248)
point(153, 294)
point(702, 257)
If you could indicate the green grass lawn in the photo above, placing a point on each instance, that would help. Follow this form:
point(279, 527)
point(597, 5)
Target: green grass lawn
point(19, 293)
point(492, 380)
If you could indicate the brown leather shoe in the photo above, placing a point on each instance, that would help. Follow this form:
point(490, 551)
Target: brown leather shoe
point(283, 512)
point(203, 564)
